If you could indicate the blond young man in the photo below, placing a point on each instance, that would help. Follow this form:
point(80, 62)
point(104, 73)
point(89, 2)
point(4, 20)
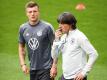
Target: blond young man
point(37, 36)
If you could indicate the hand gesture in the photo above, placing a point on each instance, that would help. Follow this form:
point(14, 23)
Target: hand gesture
point(25, 69)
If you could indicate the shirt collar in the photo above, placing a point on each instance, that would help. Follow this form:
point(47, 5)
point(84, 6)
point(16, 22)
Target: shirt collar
point(35, 24)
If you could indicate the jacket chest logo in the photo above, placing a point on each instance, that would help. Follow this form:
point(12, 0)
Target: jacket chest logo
point(72, 41)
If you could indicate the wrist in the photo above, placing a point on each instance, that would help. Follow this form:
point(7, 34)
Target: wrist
point(23, 65)
point(54, 65)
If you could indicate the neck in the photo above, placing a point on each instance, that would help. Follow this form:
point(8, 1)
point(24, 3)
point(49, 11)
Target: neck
point(33, 22)
point(69, 30)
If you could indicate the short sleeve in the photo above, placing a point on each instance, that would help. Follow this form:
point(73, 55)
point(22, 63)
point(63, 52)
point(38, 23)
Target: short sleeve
point(21, 37)
point(51, 34)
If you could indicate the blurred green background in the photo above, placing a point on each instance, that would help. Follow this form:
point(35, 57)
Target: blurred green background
point(92, 21)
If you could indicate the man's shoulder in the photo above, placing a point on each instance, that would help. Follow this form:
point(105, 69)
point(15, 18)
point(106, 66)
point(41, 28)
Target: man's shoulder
point(24, 25)
point(45, 22)
point(80, 35)
point(47, 25)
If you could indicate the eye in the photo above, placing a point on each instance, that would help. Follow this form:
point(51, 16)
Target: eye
point(35, 11)
point(29, 11)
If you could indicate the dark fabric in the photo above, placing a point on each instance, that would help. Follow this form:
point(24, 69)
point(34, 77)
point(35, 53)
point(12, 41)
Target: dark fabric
point(62, 78)
point(40, 74)
point(38, 39)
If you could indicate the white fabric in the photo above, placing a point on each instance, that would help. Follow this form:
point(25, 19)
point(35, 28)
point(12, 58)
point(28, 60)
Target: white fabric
point(74, 47)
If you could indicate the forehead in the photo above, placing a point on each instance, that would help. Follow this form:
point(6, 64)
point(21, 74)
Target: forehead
point(32, 8)
point(64, 25)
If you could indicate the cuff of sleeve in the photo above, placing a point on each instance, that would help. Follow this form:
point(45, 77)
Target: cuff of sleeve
point(57, 39)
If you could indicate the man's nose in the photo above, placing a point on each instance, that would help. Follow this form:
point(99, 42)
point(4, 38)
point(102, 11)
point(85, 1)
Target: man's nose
point(32, 13)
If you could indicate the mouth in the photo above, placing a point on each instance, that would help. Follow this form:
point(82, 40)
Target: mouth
point(32, 17)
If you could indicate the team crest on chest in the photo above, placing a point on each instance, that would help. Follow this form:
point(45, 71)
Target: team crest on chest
point(39, 33)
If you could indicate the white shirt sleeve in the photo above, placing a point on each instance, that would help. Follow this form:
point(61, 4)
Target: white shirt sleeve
point(57, 45)
point(92, 53)
point(55, 50)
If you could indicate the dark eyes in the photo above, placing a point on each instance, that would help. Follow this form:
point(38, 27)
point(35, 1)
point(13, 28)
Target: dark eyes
point(33, 11)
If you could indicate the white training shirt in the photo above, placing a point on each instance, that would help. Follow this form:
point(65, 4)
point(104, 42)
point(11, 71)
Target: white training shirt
point(74, 47)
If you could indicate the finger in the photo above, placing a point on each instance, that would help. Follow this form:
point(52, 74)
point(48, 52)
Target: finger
point(26, 71)
point(77, 78)
point(52, 78)
point(51, 75)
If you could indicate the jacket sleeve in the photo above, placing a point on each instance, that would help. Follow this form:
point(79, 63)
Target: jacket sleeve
point(90, 51)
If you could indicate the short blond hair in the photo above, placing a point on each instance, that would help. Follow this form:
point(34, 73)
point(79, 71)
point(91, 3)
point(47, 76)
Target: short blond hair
point(31, 4)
